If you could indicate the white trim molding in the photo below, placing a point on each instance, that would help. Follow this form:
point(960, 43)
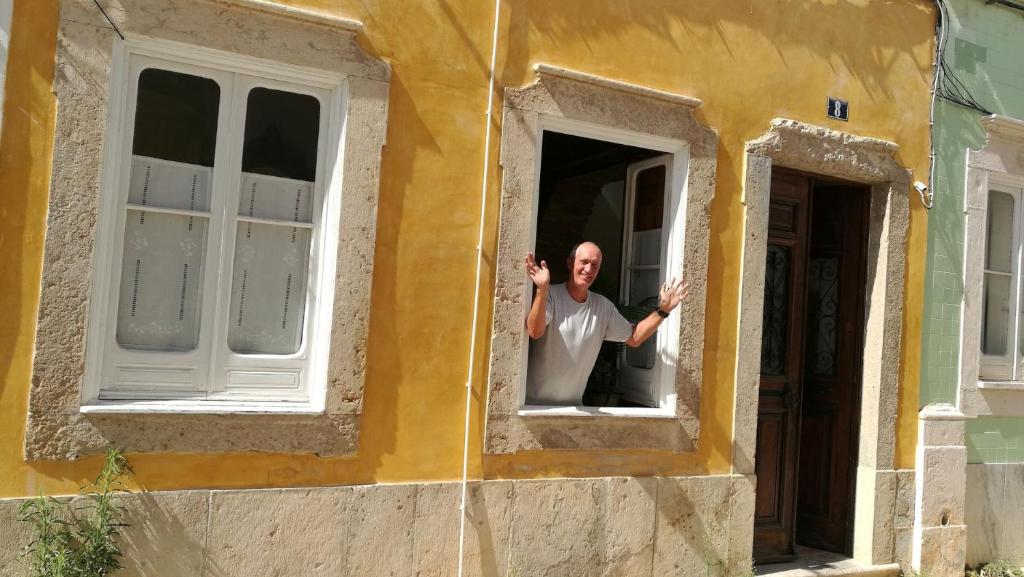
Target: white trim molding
point(999, 164)
point(1004, 128)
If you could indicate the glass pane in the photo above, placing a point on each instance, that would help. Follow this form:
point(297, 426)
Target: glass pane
point(995, 326)
point(277, 198)
point(176, 117)
point(647, 247)
point(642, 357)
point(650, 198)
point(162, 268)
point(268, 289)
point(823, 313)
point(643, 288)
point(281, 134)
point(168, 184)
point(1000, 231)
point(643, 292)
point(774, 328)
point(271, 266)
point(161, 281)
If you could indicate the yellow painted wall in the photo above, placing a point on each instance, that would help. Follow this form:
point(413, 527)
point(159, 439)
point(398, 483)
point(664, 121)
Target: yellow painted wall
point(749, 61)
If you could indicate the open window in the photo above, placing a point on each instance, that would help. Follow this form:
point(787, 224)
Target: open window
point(614, 195)
point(632, 169)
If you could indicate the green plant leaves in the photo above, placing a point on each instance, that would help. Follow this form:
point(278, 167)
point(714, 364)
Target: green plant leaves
point(77, 538)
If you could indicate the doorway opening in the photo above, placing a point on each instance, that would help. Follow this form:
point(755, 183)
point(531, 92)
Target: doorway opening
point(811, 366)
point(617, 196)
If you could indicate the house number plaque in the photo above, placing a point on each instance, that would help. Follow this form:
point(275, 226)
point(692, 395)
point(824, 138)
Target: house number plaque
point(838, 109)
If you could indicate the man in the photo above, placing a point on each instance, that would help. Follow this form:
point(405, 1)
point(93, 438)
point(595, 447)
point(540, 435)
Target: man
point(568, 323)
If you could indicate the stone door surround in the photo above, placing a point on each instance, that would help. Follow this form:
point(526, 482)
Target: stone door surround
point(870, 161)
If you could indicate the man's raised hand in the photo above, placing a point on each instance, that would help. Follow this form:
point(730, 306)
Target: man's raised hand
point(538, 273)
point(671, 294)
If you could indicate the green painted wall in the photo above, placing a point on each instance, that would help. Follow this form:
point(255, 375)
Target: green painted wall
point(956, 130)
point(995, 440)
point(985, 49)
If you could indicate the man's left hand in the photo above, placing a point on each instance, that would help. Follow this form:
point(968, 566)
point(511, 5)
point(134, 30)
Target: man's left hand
point(671, 294)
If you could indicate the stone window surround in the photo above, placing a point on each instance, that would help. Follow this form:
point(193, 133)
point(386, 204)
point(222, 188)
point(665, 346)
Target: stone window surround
point(57, 428)
point(817, 150)
point(561, 97)
point(1001, 160)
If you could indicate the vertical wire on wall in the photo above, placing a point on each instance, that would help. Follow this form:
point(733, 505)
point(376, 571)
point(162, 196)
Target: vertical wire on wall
point(476, 289)
point(940, 33)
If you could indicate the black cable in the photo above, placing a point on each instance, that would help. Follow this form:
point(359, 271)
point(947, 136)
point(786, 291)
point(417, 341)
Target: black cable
point(1008, 4)
point(104, 12)
point(948, 85)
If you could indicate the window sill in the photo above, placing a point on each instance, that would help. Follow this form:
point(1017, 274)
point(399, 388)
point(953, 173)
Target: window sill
point(1001, 385)
point(199, 407)
point(589, 412)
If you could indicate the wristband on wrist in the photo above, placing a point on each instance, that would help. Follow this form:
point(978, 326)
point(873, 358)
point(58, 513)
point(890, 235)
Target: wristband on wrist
point(661, 313)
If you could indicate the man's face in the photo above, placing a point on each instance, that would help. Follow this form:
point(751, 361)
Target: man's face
point(586, 265)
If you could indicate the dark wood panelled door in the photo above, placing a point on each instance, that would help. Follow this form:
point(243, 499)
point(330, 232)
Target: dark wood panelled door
point(812, 336)
point(782, 342)
point(832, 369)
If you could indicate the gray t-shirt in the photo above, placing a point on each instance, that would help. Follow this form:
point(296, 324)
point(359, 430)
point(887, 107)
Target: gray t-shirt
point(561, 360)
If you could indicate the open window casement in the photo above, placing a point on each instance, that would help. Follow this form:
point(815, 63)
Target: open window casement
point(1002, 345)
point(643, 272)
point(623, 192)
point(662, 405)
point(218, 198)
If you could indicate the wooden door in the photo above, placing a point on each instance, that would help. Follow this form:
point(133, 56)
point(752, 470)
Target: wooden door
point(832, 369)
point(778, 416)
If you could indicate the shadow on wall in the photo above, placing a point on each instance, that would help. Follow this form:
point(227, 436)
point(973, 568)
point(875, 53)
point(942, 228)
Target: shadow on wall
point(705, 25)
point(157, 543)
point(616, 526)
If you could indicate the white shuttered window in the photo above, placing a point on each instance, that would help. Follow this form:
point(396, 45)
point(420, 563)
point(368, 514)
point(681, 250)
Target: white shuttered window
point(216, 202)
point(1002, 325)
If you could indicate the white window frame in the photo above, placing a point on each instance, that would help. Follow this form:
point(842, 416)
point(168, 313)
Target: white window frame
point(1005, 368)
point(645, 376)
point(663, 386)
point(996, 165)
point(309, 364)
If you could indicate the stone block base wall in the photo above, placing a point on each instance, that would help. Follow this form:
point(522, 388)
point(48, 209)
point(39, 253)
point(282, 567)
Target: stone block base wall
point(636, 527)
point(995, 513)
point(940, 546)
